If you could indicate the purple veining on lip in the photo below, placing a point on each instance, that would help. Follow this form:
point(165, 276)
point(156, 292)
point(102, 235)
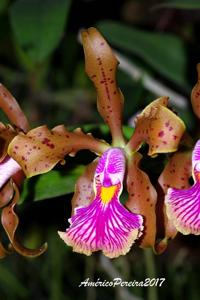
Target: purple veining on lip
point(111, 167)
point(105, 224)
point(183, 206)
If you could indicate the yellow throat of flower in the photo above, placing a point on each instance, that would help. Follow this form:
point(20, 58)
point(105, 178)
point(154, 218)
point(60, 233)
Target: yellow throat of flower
point(107, 193)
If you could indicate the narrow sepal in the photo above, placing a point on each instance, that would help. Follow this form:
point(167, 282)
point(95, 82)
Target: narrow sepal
point(142, 199)
point(101, 66)
point(195, 95)
point(10, 222)
point(12, 109)
point(41, 149)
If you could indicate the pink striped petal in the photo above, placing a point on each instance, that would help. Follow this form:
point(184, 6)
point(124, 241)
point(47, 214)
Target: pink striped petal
point(183, 209)
point(110, 228)
point(105, 224)
point(196, 161)
point(8, 168)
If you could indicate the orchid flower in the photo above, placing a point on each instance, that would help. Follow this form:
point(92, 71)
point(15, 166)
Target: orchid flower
point(99, 221)
point(183, 206)
point(11, 174)
point(182, 202)
point(174, 182)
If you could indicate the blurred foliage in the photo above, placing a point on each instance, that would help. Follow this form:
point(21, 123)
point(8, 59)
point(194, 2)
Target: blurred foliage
point(151, 47)
point(41, 63)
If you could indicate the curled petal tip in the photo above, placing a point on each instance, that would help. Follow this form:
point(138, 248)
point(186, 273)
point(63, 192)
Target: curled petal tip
point(182, 207)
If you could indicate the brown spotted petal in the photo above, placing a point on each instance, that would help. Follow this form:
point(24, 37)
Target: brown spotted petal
point(7, 133)
point(142, 199)
point(176, 174)
point(195, 96)
point(10, 223)
point(101, 65)
point(84, 190)
point(12, 109)
point(6, 194)
point(41, 149)
point(159, 127)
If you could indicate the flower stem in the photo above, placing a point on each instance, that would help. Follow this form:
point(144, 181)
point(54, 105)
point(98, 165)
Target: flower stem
point(151, 273)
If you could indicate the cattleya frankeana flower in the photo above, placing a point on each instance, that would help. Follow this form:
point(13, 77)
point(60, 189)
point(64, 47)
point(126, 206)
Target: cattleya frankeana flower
point(99, 221)
point(11, 174)
point(183, 206)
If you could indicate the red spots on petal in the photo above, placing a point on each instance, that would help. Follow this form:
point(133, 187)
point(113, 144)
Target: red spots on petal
point(197, 94)
point(175, 137)
point(167, 124)
point(170, 128)
point(161, 133)
point(16, 147)
point(47, 143)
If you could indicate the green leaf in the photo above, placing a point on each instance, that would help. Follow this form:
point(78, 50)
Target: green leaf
point(39, 25)
point(51, 184)
point(182, 4)
point(164, 52)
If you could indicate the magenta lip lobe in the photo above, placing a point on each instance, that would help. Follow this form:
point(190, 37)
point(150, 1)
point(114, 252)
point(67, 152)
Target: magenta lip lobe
point(105, 224)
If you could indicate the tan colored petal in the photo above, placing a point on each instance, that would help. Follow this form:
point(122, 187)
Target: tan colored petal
point(84, 190)
point(7, 133)
point(12, 109)
point(142, 199)
point(6, 194)
point(41, 149)
point(175, 174)
point(10, 223)
point(101, 65)
point(159, 127)
point(195, 95)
